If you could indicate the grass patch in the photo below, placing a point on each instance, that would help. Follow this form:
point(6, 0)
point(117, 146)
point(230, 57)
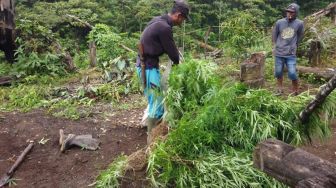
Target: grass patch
point(23, 97)
point(68, 96)
point(110, 177)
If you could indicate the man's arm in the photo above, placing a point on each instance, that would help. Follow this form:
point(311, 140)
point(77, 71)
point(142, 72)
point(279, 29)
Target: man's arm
point(167, 41)
point(300, 33)
point(275, 33)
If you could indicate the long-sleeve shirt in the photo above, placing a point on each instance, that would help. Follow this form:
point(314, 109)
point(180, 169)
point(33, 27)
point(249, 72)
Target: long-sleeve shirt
point(286, 36)
point(157, 39)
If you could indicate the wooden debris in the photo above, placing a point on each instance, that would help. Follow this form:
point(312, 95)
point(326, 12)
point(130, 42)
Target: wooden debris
point(293, 166)
point(79, 20)
point(6, 80)
point(4, 179)
point(325, 73)
point(211, 51)
point(127, 48)
point(319, 99)
point(328, 11)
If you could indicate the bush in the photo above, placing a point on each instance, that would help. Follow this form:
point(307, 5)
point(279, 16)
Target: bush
point(239, 34)
point(215, 131)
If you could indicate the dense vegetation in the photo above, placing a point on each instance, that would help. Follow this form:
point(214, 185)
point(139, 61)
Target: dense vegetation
point(126, 19)
point(215, 122)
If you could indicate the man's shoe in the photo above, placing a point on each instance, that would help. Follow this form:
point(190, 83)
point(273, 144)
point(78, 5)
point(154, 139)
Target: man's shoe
point(295, 87)
point(279, 90)
point(151, 123)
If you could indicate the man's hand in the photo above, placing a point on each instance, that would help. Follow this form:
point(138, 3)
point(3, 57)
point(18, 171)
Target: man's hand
point(273, 50)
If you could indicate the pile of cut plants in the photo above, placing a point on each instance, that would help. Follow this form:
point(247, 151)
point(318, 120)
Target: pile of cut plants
point(215, 126)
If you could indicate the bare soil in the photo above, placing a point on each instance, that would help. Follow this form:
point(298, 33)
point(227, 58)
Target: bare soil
point(46, 166)
point(326, 149)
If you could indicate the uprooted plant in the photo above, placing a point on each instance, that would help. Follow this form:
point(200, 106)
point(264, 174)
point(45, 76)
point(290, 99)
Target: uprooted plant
point(215, 128)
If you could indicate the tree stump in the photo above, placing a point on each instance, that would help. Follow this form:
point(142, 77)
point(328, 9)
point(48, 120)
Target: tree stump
point(333, 14)
point(252, 70)
point(315, 50)
point(93, 54)
point(293, 166)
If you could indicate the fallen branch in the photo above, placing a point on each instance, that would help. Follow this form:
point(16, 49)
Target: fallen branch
point(6, 80)
point(206, 46)
point(319, 99)
point(212, 51)
point(9, 174)
point(324, 73)
point(323, 12)
point(127, 48)
point(79, 20)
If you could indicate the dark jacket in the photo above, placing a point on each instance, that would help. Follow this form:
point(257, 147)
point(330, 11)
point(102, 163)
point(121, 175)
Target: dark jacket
point(157, 39)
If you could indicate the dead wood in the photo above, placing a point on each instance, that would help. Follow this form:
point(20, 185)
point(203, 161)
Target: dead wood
point(293, 166)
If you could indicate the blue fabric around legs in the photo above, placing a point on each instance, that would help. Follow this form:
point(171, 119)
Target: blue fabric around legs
point(153, 92)
point(290, 62)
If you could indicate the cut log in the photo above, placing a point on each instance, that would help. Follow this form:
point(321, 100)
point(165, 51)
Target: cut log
point(319, 99)
point(317, 182)
point(252, 70)
point(6, 80)
point(293, 166)
point(325, 73)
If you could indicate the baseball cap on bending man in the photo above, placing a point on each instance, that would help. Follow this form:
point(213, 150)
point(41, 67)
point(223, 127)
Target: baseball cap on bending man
point(183, 7)
point(293, 8)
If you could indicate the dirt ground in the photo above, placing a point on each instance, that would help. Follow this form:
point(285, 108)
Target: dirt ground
point(45, 166)
point(325, 149)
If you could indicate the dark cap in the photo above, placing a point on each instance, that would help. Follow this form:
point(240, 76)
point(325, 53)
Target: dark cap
point(292, 8)
point(183, 7)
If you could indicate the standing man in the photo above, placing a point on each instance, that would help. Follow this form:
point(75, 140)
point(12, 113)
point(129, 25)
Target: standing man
point(286, 36)
point(157, 39)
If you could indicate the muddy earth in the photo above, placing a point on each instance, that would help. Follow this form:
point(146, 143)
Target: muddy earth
point(46, 166)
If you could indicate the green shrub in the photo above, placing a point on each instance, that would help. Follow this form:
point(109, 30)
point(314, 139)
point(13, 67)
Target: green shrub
point(239, 34)
point(227, 122)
